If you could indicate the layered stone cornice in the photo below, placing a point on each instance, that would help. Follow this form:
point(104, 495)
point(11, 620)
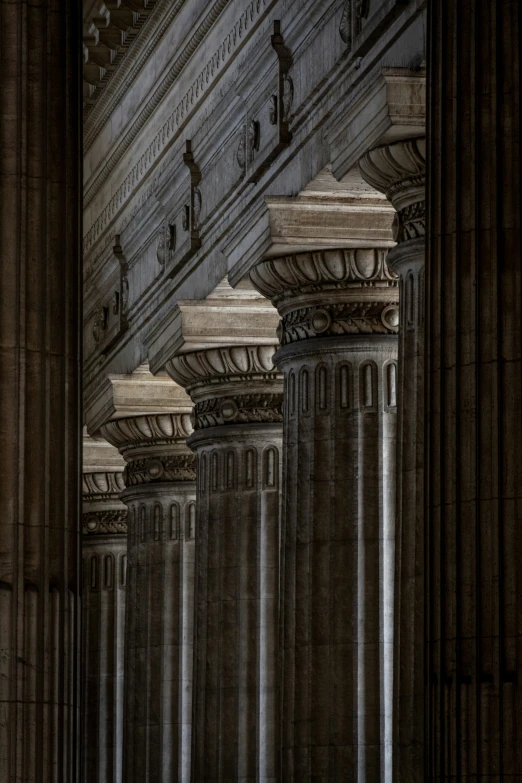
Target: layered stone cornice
point(330, 293)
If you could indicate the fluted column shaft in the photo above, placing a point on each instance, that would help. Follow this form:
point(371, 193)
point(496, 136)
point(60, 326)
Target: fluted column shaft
point(238, 441)
point(474, 393)
point(339, 348)
point(104, 556)
point(398, 170)
point(39, 390)
point(160, 496)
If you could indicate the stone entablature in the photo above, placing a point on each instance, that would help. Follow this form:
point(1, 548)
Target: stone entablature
point(183, 183)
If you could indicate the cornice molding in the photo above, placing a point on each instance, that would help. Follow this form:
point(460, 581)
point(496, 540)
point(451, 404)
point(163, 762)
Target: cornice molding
point(125, 76)
point(108, 36)
point(249, 17)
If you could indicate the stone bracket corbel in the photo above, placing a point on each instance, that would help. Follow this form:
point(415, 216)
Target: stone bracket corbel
point(266, 131)
point(111, 317)
point(184, 230)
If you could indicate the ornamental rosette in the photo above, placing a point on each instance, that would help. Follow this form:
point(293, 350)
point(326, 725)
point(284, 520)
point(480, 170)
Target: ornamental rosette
point(104, 522)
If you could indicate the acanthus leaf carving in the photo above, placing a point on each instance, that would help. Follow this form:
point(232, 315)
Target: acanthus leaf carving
point(340, 319)
point(239, 409)
point(178, 467)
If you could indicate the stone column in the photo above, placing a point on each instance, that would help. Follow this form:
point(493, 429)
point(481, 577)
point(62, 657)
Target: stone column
point(104, 550)
point(160, 496)
point(338, 353)
point(39, 390)
point(238, 398)
point(398, 170)
point(474, 394)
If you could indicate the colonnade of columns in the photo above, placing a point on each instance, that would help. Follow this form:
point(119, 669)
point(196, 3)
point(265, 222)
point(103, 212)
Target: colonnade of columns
point(260, 632)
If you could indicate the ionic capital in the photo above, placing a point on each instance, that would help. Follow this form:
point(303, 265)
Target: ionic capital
point(231, 384)
point(330, 293)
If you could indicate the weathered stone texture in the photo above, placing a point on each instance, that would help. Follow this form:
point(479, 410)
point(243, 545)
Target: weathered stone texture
point(160, 495)
point(398, 170)
point(238, 416)
point(339, 357)
point(474, 393)
point(39, 391)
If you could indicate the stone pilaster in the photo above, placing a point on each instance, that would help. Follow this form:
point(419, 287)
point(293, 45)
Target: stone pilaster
point(104, 555)
point(474, 394)
point(39, 391)
point(238, 399)
point(398, 170)
point(160, 496)
point(338, 352)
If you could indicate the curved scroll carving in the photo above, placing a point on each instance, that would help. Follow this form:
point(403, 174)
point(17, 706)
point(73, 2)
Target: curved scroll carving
point(181, 467)
point(340, 319)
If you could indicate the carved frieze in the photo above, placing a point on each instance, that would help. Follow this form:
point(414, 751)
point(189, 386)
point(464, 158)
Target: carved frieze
point(105, 522)
point(178, 467)
point(239, 409)
point(339, 319)
point(288, 96)
point(110, 320)
point(191, 98)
